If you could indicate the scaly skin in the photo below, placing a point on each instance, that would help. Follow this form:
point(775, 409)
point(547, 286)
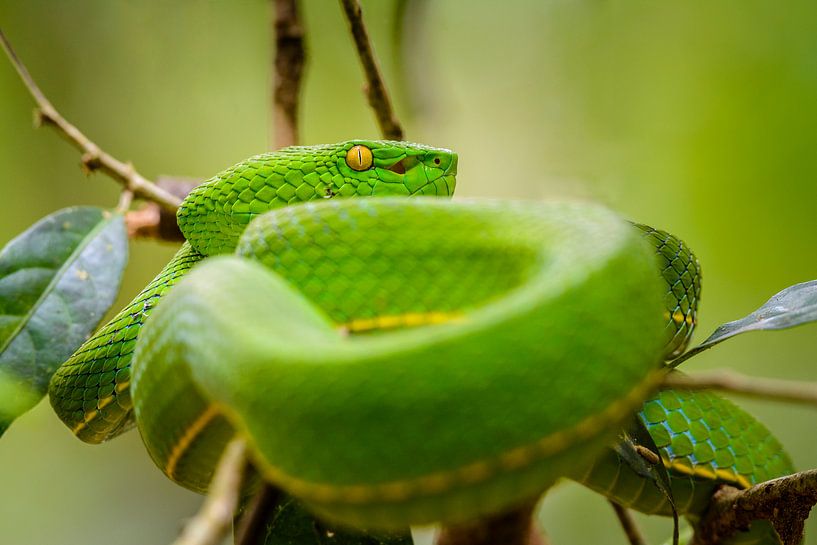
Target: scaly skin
point(704, 440)
point(90, 392)
point(407, 425)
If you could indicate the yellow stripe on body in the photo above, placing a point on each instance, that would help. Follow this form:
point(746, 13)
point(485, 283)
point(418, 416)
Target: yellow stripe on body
point(705, 471)
point(100, 404)
point(679, 318)
point(187, 438)
point(473, 473)
point(409, 319)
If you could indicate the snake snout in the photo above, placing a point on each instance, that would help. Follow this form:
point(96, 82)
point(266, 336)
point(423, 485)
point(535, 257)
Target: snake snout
point(452, 168)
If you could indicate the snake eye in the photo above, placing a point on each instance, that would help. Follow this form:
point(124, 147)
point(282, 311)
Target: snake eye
point(359, 158)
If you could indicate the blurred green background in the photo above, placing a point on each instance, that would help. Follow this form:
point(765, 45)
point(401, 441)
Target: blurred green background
point(696, 116)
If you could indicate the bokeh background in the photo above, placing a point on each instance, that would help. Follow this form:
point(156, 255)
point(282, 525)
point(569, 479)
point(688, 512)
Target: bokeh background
point(697, 116)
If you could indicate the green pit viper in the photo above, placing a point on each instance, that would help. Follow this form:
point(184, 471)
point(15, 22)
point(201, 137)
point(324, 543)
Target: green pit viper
point(411, 360)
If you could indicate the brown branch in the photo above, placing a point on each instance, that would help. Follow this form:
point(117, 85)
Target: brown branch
point(375, 86)
point(213, 521)
point(628, 524)
point(152, 221)
point(729, 381)
point(514, 527)
point(288, 70)
point(251, 522)
point(785, 502)
point(93, 157)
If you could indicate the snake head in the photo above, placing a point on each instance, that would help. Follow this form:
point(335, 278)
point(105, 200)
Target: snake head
point(383, 167)
point(214, 214)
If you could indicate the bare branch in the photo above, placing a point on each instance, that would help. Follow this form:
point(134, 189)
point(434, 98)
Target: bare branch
point(375, 86)
point(729, 381)
point(214, 520)
point(93, 157)
point(514, 527)
point(785, 502)
point(287, 72)
point(628, 524)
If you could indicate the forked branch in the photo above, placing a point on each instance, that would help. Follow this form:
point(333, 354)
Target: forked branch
point(94, 158)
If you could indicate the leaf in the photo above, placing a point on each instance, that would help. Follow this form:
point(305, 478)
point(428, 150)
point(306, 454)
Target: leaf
point(795, 305)
point(291, 524)
point(57, 281)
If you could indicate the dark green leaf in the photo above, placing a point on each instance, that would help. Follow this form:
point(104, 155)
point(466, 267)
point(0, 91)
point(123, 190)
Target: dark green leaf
point(793, 306)
point(57, 281)
point(292, 524)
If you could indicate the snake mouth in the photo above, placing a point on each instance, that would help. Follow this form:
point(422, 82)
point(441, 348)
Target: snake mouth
point(400, 166)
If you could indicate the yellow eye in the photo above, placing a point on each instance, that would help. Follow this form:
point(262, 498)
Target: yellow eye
point(359, 158)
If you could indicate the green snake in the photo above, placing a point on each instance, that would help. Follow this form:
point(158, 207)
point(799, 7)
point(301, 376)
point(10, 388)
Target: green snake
point(398, 361)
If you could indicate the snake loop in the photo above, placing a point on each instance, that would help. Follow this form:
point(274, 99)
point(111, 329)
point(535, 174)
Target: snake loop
point(395, 361)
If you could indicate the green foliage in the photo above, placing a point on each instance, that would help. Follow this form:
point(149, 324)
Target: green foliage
point(294, 525)
point(57, 281)
point(793, 306)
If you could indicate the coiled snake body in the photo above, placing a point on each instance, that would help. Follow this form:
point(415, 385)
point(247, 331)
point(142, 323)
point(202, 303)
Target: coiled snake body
point(409, 360)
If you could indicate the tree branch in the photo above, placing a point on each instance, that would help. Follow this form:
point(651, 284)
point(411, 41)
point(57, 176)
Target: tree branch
point(785, 502)
point(513, 527)
point(287, 72)
point(375, 86)
point(251, 522)
point(628, 524)
point(93, 157)
point(213, 521)
point(152, 221)
point(729, 381)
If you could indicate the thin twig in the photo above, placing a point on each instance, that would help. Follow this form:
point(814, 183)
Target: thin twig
point(631, 529)
point(213, 521)
point(125, 200)
point(287, 72)
point(729, 381)
point(785, 502)
point(93, 157)
point(375, 86)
